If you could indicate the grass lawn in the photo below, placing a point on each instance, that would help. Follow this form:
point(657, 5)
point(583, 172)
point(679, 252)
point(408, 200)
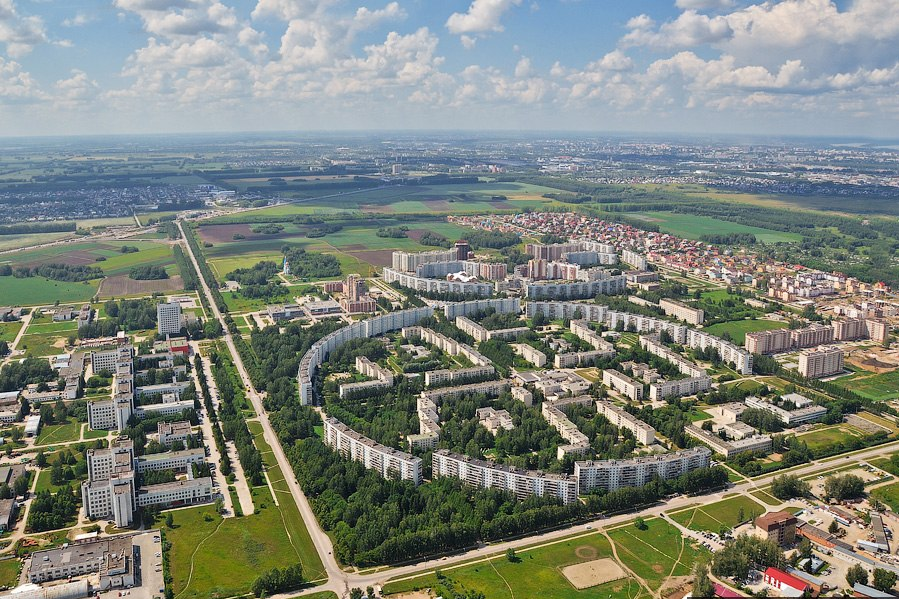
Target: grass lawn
point(538, 574)
point(9, 330)
point(43, 345)
point(723, 513)
point(227, 554)
point(739, 328)
point(830, 435)
point(290, 515)
point(879, 387)
point(89, 434)
point(655, 554)
point(59, 433)
point(693, 227)
point(33, 291)
point(888, 494)
point(9, 572)
point(765, 497)
point(48, 328)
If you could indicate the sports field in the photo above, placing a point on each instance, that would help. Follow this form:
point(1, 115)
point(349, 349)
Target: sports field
point(537, 574)
point(723, 513)
point(693, 227)
point(830, 435)
point(738, 328)
point(879, 387)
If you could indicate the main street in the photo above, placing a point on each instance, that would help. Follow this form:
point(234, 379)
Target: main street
point(340, 581)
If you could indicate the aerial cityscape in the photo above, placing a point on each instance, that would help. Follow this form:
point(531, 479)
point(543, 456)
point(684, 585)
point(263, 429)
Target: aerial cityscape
point(491, 300)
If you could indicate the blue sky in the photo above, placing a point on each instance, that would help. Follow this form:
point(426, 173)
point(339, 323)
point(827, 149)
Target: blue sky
point(807, 67)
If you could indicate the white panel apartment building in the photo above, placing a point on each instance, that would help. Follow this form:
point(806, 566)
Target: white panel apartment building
point(581, 358)
point(582, 331)
point(504, 305)
point(615, 474)
point(679, 387)
point(388, 462)
point(644, 433)
point(682, 311)
point(490, 475)
point(531, 354)
point(410, 261)
point(445, 376)
point(552, 412)
point(611, 318)
point(623, 384)
point(729, 352)
point(417, 283)
point(168, 317)
point(607, 285)
point(820, 362)
point(480, 333)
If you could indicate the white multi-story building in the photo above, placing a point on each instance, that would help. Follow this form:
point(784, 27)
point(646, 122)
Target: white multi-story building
point(610, 475)
point(820, 362)
point(410, 261)
point(388, 462)
point(802, 415)
point(503, 305)
point(582, 331)
point(768, 342)
point(608, 284)
point(679, 387)
point(657, 348)
point(169, 432)
point(729, 352)
point(622, 384)
point(636, 260)
point(611, 318)
point(531, 354)
point(436, 285)
point(168, 317)
point(434, 378)
point(682, 311)
point(621, 418)
point(578, 443)
point(480, 333)
point(494, 420)
point(490, 475)
point(730, 449)
point(581, 358)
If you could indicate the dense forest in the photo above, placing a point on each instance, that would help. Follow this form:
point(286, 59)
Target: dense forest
point(53, 271)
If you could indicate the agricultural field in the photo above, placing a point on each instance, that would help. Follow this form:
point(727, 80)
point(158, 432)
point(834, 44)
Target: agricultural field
point(34, 291)
point(713, 517)
point(690, 226)
point(11, 242)
point(879, 387)
point(737, 329)
point(536, 575)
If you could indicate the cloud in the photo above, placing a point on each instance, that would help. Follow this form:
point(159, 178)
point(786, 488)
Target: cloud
point(688, 30)
point(19, 33)
point(79, 20)
point(704, 4)
point(482, 17)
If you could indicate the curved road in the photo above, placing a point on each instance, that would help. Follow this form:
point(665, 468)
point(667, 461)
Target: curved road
point(341, 581)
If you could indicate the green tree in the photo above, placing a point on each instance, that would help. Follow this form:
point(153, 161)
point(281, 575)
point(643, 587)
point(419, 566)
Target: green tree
point(40, 460)
point(639, 523)
point(834, 528)
point(856, 574)
point(884, 580)
point(846, 486)
point(169, 520)
point(355, 593)
point(702, 585)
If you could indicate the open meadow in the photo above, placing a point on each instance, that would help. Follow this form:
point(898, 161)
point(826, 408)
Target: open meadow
point(737, 329)
point(726, 513)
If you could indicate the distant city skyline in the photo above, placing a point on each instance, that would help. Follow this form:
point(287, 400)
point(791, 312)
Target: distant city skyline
point(791, 67)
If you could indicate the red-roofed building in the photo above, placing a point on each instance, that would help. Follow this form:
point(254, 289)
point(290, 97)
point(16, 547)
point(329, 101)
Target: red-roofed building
point(787, 584)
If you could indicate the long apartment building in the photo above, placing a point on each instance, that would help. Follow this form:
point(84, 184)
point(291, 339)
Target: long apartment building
point(623, 384)
point(410, 261)
point(820, 362)
point(608, 284)
point(480, 333)
point(610, 475)
point(610, 318)
point(635, 259)
point(729, 352)
point(657, 348)
point(444, 376)
point(388, 462)
point(427, 285)
point(502, 305)
point(781, 340)
point(729, 449)
point(111, 490)
point(805, 412)
point(581, 329)
point(369, 327)
point(428, 401)
point(382, 378)
point(490, 475)
point(489, 271)
point(578, 443)
point(621, 418)
point(682, 311)
point(680, 387)
point(445, 344)
point(531, 354)
point(581, 358)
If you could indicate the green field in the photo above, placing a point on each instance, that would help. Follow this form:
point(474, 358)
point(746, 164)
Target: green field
point(11, 242)
point(766, 497)
point(879, 387)
point(9, 330)
point(888, 494)
point(35, 291)
point(739, 328)
point(825, 437)
point(9, 572)
point(690, 226)
point(43, 345)
point(538, 574)
point(655, 554)
point(723, 513)
point(59, 433)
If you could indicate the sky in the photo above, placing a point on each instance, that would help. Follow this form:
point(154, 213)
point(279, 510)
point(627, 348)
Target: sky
point(797, 67)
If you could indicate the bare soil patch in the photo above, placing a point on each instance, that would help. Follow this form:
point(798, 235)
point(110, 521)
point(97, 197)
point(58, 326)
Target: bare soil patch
point(122, 285)
point(225, 233)
point(353, 247)
point(378, 208)
point(374, 257)
point(593, 573)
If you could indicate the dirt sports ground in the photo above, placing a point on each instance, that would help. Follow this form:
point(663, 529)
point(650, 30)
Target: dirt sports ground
point(593, 573)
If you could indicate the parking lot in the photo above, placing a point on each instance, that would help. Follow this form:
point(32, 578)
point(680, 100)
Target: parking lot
point(150, 583)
